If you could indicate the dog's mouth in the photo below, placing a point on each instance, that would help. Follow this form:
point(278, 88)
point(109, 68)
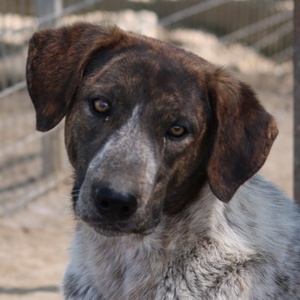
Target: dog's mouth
point(112, 230)
point(120, 228)
point(138, 224)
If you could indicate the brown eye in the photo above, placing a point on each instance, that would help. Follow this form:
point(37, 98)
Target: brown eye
point(101, 106)
point(177, 131)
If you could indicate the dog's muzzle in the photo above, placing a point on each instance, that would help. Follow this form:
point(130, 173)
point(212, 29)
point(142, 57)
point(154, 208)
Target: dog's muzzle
point(117, 194)
point(112, 205)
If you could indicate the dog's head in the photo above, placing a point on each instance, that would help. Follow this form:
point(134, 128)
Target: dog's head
point(147, 123)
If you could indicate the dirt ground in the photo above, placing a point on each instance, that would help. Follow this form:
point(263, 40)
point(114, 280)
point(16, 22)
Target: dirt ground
point(34, 248)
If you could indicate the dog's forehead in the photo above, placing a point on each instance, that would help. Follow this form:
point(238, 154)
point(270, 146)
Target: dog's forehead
point(147, 68)
point(144, 56)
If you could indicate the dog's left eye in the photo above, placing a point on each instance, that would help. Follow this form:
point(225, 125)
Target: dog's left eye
point(101, 106)
point(177, 131)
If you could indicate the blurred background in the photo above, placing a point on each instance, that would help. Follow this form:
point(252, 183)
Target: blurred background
point(252, 38)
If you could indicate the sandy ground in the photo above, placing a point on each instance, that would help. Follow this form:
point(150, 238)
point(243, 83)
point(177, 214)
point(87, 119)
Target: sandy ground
point(34, 248)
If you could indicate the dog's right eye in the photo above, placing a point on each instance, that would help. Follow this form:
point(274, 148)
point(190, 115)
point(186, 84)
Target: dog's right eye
point(177, 131)
point(101, 106)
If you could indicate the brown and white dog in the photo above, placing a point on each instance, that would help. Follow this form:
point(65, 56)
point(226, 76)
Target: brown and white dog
point(164, 147)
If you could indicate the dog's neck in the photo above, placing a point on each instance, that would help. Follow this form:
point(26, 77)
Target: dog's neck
point(124, 267)
point(204, 234)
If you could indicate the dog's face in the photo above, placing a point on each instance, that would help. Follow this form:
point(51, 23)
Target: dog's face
point(131, 132)
point(147, 124)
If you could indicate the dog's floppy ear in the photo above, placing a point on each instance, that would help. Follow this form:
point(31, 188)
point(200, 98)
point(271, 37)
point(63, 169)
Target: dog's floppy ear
point(245, 133)
point(56, 60)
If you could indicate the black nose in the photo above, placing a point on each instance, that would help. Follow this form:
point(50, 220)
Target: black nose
point(114, 205)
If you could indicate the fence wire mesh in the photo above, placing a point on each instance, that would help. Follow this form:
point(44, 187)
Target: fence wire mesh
point(30, 163)
point(253, 37)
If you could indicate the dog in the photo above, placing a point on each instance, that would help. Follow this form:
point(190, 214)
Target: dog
point(165, 148)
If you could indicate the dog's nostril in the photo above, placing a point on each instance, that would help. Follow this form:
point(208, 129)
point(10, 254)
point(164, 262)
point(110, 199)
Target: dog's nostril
point(103, 204)
point(114, 205)
point(125, 209)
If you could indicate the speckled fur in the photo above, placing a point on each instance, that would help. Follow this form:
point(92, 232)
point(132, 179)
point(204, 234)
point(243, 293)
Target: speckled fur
point(247, 249)
point(206, 225)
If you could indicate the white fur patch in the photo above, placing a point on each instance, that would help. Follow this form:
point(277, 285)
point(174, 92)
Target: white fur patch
point(247, 249)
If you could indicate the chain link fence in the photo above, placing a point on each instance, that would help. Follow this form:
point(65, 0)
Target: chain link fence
point(31, 163)
point(252, 37)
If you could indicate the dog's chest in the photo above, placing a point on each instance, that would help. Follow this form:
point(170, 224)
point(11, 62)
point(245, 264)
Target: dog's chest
point(149, 270)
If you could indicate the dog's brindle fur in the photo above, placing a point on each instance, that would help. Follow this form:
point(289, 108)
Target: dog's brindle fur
point(185, 240)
